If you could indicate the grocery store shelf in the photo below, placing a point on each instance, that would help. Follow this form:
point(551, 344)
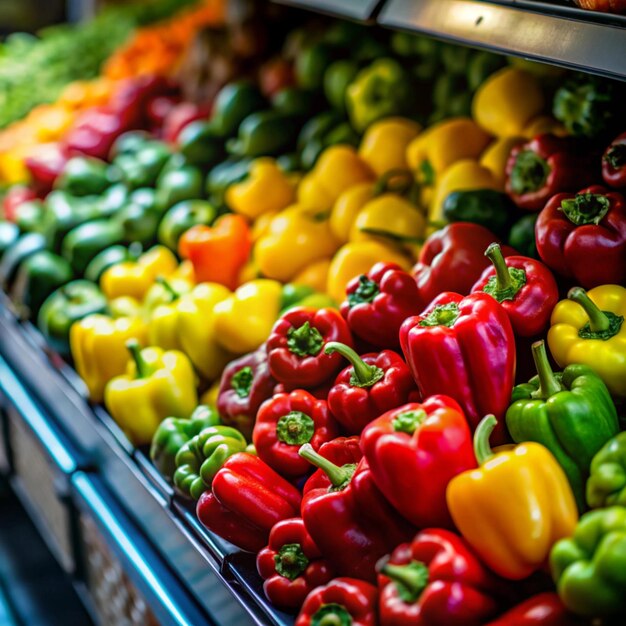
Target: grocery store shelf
point(362, 10)
point(536, 30)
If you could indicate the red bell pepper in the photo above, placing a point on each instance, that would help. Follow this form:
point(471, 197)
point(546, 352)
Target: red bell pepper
point(525, 289)
point(614, 162)
point(291, 565)
point(544, 166)
point(452, 259)
point(583, 236)
point(369, 386)
point(245, 384)
point(414, 451)
point(46, 166)
point(544, 609)
point(346, 514)
point(465, 348)
point(342, 602)
point(287, 421)
point(378, 302)
point(181, 116)
point(436, 579)
point(14, 197)
point(295, 346)
point(321, 392)
point(247, 498)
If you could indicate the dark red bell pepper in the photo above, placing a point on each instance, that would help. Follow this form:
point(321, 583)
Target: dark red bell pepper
point(245, 384)
point(452, 259)
point(524, 287)
point(287, 421)
point(347, 516)
point(369, 386)
point(295, 346)
point(544, 609)
point(614, 162)
point(465, 348)
point(342, 602)
point(247, 498)
point(46, 166)
point(378, 302)
point(434, 580)
point(544, 166)
point(583, 236)
point(14, 197)
point(414, 451)
point(291, 565)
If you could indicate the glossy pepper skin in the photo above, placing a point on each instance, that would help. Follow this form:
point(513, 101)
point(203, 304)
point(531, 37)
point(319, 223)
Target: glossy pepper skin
point(295, 348)
point(287, 421)
point(607, 480)
point(514, 507)
point(583, 236)
point(414, 451)
point(614, 163)
point(378, 302)
point(588, 328)
point(436, 579)
point(544, 609)
point(463, 347)
point(342, 601)
point(545, 166)
point(370, 385)
point(342, 497)
point(291, 565)
point(247, 498)
point(525, 289)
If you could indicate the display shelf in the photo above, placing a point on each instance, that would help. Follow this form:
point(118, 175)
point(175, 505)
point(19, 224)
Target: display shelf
point(361, 10)
point(556, 34)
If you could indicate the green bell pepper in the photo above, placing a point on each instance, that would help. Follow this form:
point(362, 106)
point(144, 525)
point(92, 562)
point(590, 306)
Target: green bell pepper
point(139, 224)
point(233, 104)
point(296, 101)
point(112, 200)
point(589, 567)
point(66, 305)
point(17, 253)
point(200, 144)
point(522, 235)
point(292, 294)
point(173, 433)
point(337, 78)
point(9, 234)
point(289, 163)
point(181, 217)
point(267, 133)
point(317, 127)
point(130, 142)
point(202, 457)
point(29, 216)
point(178, 185)
point(311, 64)
point(142, 168)
point(109, 257)
point(607, 481)
point(571, 413)
point(145, 197)
point(222, 176)
point(84, 176)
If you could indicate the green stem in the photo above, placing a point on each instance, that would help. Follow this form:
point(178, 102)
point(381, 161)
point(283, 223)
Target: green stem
point(586, 208)
point(384, 184)
point(503, 278)
point(331, 615)
point(171, 292)
point(616, 155)
point(529, 173)
point(338, 476)
point(363, 375)
point(548, 383)
point(134, 348)
point(290, 561)
point(482, 449)
point(305, 340)
point(295, 428)
point(411, 579)
point(598, 321)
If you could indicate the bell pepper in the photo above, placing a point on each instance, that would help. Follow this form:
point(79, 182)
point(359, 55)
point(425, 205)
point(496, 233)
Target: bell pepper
point(343, 601)
point(181, 217)
point(315, 276)
point(84, 176)
point(287, 421)
point(17, 253)
point(134, 278)
point(347, 207)
point(342, 496)
point(246, 500)
point(222, 176)
point(9, 234)
point(45, 166)
point(290, 565)
point(98, 346)
point(13, 198)
point(514, 507)
point(142, 169)
point(157, 384)
point(201, 145)
point(173, 433)
point(522, 236)
point(453, 259)
point(544, 609)
point(233, 104)
point(414, 451)
point(465, 348)
point(176, 185)
point(295, 352)
point(607, 483)
point(370, 385)
point(589, 329)
point(587, 566)
point(30, 216)
point(65, 306)
point(219, 252)
point(545, 166)
point(108, 258)
point(614, 162)
point(245, 384)
point(202, 456)
point(139, 223)
point(378, 302)
point(436, 579)
point(265, 133)
point(496, 155)
point(571, 413)
point(244, 320)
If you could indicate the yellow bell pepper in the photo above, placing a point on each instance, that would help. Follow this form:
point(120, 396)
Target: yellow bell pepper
point(267, 189)
point(514, 507)
point(384, 144)
point(185, 271)
point(314, 276)
point(505, 103)
point(296, 238)
point(156, 385)
point(134, 278)
point(495, 157)
point(209, 397)
point(347, 207)
point(98, 345)
point(357, 258)
point(163, 291)
point(124, 306)
point(243, 321)
point(589, 328)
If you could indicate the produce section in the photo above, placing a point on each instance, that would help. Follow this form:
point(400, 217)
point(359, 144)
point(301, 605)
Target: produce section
point(300, 314)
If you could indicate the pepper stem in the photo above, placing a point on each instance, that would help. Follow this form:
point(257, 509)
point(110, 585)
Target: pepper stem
point(132, 345)
point(397, 180)
point(411, 579)
point(494, 254)
point(598, 321)
point(548, 383)
point(331, 615)
point(305, 340)
point(171, 292)
point(363, 375)
point(290, 561)
point(338, 476)
point(482, 449)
